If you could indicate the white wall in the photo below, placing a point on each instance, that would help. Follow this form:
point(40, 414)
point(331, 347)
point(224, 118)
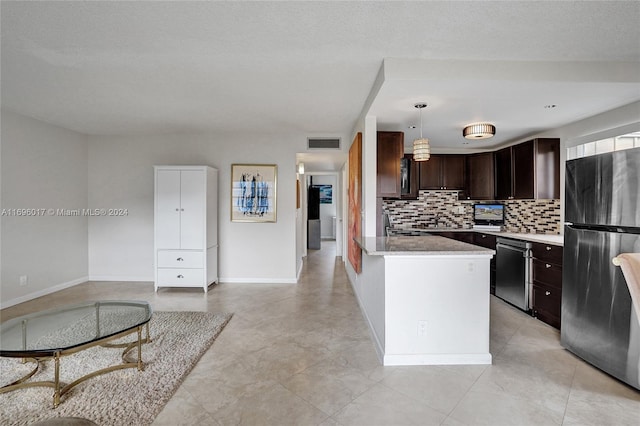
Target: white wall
point(43, 167)
point(300, 230)
point(121, 176)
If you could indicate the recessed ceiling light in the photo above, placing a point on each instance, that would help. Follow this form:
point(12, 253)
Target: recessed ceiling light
point(550, 106)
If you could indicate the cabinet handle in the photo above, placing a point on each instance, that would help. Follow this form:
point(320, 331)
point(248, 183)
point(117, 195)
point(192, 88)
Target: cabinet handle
point(546, 265)
point(548, 248)
point(180, 259)
point(546, 293)
point(180, 276)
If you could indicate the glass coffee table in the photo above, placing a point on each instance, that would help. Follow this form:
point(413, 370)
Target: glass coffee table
point(63, 331)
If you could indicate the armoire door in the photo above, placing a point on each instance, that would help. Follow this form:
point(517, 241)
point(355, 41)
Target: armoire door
point(192, 209)
point(168, 209)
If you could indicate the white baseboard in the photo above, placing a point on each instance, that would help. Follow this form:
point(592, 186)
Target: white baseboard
point(258, 280)
point(43, 292)
point(119, 278)
point(437, 359)
point(377, 344)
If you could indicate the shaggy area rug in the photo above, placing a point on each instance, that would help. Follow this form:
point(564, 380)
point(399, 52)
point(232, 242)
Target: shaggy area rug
point(123, 397)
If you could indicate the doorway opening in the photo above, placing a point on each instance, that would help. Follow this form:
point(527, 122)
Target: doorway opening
point(322, 209)
point(324, 171)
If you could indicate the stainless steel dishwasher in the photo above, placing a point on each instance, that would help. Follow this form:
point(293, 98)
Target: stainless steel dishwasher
point(513, 272)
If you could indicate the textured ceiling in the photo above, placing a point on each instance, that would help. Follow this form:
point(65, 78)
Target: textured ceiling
point(286, 67)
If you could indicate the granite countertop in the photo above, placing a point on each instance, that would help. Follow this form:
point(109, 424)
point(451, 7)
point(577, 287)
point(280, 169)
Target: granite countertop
point(553, 239)
point(419, 245)
point(556, 240)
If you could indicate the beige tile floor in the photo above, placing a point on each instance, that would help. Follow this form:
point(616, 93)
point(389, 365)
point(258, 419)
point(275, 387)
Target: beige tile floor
point(302, 355)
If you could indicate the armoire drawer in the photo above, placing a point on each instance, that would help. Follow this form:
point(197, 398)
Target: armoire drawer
point(175, 277)
point(180, 259)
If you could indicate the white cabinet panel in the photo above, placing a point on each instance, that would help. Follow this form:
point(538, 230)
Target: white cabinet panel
point(192, 209)
point(167, 215)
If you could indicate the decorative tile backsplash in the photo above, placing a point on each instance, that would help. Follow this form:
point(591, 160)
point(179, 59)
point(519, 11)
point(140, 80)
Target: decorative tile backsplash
point(442, 209)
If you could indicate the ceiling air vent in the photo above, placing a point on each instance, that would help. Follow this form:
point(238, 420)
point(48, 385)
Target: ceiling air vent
point(323, 143)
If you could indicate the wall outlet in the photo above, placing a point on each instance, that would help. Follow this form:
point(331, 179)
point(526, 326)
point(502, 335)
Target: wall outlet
point(24, 280)
point(422, 328)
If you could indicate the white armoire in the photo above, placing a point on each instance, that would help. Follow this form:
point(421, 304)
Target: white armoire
point(185, 226)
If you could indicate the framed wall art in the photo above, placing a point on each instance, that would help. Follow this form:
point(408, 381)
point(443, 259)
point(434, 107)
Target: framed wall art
point(355, 203)
point(253, 192)
point(326, 193)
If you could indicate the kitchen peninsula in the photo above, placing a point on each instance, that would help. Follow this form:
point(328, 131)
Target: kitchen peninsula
point(426, 299)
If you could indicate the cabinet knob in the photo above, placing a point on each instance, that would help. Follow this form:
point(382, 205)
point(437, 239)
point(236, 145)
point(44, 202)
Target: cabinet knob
point(177, 210)
point(181, 210)
point(546, 293)
point(180, 276)
point(548, 248)
point(546, 265)
point(180, 259)
point(484, 236)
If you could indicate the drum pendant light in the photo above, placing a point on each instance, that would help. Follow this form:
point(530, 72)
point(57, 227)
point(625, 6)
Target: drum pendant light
point(421, 149)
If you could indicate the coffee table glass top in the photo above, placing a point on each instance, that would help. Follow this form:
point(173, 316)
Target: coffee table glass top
point(46, 332)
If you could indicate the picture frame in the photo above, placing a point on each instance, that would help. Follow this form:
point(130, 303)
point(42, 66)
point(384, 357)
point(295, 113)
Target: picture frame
point(254, 192)
point(326, 193)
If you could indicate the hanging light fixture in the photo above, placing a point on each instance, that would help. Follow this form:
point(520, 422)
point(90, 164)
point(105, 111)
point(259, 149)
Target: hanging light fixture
point(421, 149)
point(479, 131)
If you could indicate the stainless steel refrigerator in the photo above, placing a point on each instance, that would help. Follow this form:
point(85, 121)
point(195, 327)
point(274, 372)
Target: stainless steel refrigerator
point(602, 216)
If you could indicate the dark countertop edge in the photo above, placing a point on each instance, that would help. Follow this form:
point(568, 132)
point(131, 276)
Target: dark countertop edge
point(453, 252)
point(536, 238)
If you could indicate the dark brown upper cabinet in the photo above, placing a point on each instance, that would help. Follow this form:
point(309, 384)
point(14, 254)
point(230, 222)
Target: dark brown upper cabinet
point(390, 149)
point(443, 171)
point(480, 176)
point(531, 172)
point(547, 168)
point(523, 170)
point(503, 167)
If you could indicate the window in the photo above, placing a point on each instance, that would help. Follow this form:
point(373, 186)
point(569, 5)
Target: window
point(628, 141)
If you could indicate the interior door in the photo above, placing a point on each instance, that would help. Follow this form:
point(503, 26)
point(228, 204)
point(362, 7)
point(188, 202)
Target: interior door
point(192, 209)
point(168, 209)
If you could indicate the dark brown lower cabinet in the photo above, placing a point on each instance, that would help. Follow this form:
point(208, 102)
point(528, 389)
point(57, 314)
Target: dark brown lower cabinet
point(488, 241)
point(546, 268)
point(466, 237)
point(547, 302)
